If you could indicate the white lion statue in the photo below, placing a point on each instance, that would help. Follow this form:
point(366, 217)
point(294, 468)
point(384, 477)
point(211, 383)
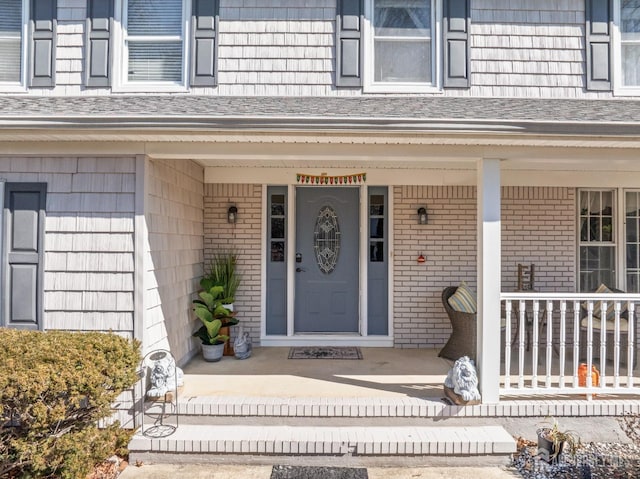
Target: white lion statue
point(462, 378)
point(163, 375)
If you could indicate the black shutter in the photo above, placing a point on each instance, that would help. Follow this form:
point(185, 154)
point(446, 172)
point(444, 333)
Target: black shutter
point(456, 24)
point(204, 42)
point(349, 43)
point(43, 42)
point(22, 254)
point(99, 25)
point(599, 15)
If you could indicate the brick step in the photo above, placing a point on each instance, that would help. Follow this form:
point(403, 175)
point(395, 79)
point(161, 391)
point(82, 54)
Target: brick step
point(197, 442)
point(250, 406)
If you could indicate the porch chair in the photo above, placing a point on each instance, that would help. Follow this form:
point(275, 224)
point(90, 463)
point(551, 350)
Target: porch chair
point(526, 281)
point(526, 277)
point(462, 341)
point(610, 325)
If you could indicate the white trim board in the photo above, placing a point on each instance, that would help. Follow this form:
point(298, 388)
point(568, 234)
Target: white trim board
point(432, 177)
point(327, 340)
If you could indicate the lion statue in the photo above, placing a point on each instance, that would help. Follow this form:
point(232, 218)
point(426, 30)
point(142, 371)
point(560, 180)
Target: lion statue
point(462, 378)
point(163, 375)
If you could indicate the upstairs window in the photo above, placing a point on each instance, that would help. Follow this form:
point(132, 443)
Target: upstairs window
point(630, 42)
point(402, 41)
point(12, 32)
point(153, 44)
point(400, 48)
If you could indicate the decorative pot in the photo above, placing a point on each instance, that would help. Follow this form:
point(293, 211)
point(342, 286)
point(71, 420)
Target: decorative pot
point(546, 449)
point(228, 347)
point(582, 376)
point(212, 352)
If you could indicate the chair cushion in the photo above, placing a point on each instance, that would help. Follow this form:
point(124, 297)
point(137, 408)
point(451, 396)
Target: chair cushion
point(464, 299)
point(611, 324)
point(597, 306)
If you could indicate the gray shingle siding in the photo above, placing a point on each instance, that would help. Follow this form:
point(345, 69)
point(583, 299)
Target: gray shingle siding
point(89, 228)
point(287, 48)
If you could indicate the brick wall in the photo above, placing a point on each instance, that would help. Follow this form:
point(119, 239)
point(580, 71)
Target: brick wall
point(88, 261)
point(174, 263)
point(449, 244)
point(538, 226)
point(244, 238)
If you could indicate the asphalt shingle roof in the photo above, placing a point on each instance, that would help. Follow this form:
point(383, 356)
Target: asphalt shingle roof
point(317, 111)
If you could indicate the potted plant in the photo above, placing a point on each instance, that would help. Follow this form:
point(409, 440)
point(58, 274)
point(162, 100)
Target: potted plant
point(552, 441)
point(210, 310)
point(222, 272)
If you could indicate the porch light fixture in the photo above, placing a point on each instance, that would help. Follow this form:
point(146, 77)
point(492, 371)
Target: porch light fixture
point(422, 216)
point(232, 214)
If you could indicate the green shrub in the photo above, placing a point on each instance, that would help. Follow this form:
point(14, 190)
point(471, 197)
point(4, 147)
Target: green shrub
point(54, 387)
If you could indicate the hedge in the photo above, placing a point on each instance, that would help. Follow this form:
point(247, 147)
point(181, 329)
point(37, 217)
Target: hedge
point(55, 386)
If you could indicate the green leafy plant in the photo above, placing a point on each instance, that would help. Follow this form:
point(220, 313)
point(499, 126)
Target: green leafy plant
point(560, 439)
point(55, 387)
point(210, 310)
point(222, 272)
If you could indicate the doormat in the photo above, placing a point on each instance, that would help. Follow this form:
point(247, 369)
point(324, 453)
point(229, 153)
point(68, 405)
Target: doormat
point(302, 472)
point(329, 352)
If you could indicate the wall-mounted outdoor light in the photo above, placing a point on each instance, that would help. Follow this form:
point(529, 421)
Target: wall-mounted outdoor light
point(422, 216)
point(232, 214)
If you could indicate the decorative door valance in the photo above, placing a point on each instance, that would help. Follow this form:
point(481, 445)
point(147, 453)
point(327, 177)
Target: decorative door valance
point(320, 180)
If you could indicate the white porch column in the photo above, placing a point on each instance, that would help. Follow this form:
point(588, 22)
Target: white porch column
point(489, 263)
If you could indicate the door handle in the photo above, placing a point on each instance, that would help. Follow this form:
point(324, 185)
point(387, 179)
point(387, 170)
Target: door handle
point(300, 270)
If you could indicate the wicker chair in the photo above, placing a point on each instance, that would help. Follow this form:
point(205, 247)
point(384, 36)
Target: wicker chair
point(462, 341)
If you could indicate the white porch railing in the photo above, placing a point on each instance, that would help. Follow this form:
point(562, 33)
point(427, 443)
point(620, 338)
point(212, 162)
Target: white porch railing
point(546, 336)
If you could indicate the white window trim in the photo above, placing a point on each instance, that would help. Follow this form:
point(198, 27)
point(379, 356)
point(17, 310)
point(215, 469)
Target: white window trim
point(21, 85)
point(623, 235)
point(121, 57)
point(616, 38)
point(619, 240)
point(371, 86)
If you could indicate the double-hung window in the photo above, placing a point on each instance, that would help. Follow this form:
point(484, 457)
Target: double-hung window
point(630, 43)
point(13, 21)
point(402, 41)
point(400, 46)
point(154, 50)
point(609, 239)
point(597, 239)
point(403, 46)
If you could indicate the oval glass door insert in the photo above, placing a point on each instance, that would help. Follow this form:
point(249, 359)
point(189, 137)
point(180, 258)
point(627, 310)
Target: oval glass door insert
point(326, 239)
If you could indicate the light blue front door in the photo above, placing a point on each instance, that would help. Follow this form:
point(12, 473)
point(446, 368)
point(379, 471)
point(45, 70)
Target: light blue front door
point(327, 259)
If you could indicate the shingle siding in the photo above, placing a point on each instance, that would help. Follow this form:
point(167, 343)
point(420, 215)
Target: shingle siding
point(517, 50)
point(88, 262)
point(282, 47)
point(175, 257)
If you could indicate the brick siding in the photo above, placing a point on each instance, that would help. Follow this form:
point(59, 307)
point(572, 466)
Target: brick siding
point(244, 238)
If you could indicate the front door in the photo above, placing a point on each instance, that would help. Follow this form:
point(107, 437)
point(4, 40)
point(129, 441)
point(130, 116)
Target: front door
point(327, 259)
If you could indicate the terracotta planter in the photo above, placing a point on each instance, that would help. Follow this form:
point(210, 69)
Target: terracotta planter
point(228, 347)
point(212, 352)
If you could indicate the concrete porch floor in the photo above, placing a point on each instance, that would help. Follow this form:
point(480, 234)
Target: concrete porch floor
point(385, 373)
point(382, 373)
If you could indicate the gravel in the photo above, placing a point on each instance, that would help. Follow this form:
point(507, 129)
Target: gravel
point(592, 461)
